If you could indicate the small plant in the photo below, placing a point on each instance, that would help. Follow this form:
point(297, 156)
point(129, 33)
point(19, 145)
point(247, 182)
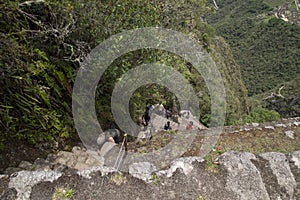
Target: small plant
point(118, 178)
point(211, 165)
point(155, 178)
point(201, 197)
point(63, 194)
point(172, 132)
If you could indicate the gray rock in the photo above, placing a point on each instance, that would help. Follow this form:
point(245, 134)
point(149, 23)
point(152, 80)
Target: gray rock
point(95, 155)
point(106, 147)
point(65, 158)
point(25, 165)
point(11, 170)
point(280, 167)
point(296, 158)
point(3, 176)
point(297, 123)
point(41, 164)
point(79, 158)
point(103, 169)
point(25, 180)
point(142, 170)
point(290, 134)
point(243, 178)
point(270, 127)
point(51, 157)
point(280, 125)
point(181, 163)
point(144, 134)
point(77, 150)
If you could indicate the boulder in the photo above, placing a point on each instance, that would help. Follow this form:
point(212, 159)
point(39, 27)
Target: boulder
point(25, 180)
point(142, 170)
point(290, 134)
point(243, 178)
point(281, 169)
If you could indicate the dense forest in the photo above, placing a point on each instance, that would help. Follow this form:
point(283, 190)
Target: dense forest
point(264, 38)
point(44, 42)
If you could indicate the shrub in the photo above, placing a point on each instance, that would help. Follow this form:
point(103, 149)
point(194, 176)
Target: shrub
point(261, 115)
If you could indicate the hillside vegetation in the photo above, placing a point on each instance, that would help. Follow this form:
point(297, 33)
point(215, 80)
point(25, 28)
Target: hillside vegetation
point(43, 42)
point(265, 40)
point(266, 48)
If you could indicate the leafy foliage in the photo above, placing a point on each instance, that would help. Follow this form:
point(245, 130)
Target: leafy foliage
point(43, 43)
point(289, 104)
point(260, 115)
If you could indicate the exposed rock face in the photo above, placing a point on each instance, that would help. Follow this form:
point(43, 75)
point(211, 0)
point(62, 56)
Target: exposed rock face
point(282, 172)
point(142, 170)
point(296, 158)
point(79, 159)
point(241, 175)
point(25, 180)
point(244, 179)
point(185, 164)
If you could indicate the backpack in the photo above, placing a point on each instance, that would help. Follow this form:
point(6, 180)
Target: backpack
point(148, 107)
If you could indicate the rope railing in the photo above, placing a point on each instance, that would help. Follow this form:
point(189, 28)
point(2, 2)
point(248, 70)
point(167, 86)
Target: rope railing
point(119, 158)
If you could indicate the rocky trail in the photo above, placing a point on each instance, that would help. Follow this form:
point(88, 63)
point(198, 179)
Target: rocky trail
point(243, 165)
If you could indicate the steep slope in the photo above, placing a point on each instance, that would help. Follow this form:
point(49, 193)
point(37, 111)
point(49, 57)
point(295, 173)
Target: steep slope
point(285, 98)
point(267, 48)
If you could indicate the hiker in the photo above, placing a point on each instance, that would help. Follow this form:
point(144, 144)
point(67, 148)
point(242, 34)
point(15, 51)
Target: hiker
point(110, 135)
point(190, 66)
point(189, 126)
point(167, 126)
point(146, 116)
point(148, 107)
point(168, 112)
point(161, 109)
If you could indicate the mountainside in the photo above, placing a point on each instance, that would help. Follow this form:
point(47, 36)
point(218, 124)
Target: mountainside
point(285, 99)
point(46, 44)
point(265, 46)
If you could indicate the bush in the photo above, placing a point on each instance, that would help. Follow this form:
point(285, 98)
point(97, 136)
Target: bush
point(261, 115)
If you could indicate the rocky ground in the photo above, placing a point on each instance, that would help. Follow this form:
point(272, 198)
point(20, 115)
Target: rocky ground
point(255, 161)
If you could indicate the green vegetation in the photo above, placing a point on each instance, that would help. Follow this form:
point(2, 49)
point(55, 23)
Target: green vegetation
point(266, 48)
point(210, 163)
point(118, 178)
point(156, 179)
point(260, 115)
point(274, 3)
point(201, 197)
point(289, 104)
point(260, 141)
point(40, 55)
point(43, 43)
point(63, 194)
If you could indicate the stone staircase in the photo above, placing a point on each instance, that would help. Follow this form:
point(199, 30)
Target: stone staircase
point(241, 175)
